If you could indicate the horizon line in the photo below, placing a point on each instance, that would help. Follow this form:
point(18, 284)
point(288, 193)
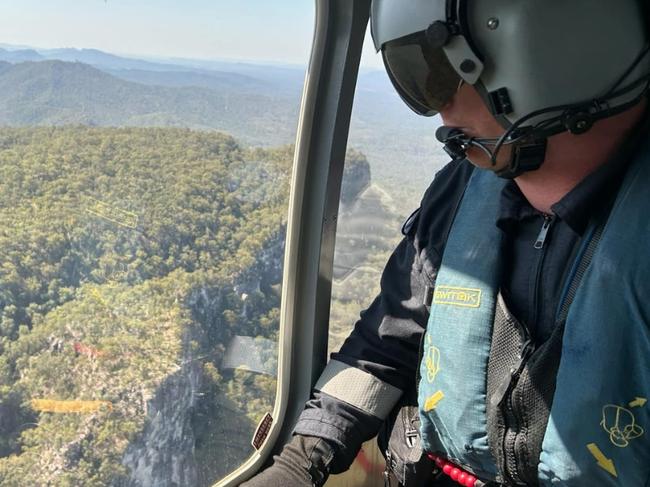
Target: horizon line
point(160, 58)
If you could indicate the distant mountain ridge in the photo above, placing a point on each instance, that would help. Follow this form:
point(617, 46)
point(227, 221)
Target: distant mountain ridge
point(257, 103)
point(20, 55)
point(281, 77)
point(64, 93)
point(87, 56)
point(215, 80)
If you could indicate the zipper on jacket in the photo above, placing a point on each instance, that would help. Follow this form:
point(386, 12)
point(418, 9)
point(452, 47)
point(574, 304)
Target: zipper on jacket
point(541, 238)
point(540, 245)
point(510, 418)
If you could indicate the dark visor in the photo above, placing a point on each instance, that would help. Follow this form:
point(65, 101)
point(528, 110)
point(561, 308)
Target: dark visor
point(422, 75)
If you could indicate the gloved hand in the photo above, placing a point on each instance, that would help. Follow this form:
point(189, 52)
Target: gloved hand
point(304, 462)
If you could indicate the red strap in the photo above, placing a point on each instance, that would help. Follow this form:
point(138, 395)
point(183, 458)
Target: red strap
point(456, 473)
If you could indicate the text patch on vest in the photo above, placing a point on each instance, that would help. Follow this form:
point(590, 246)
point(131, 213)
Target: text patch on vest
point(457, 296)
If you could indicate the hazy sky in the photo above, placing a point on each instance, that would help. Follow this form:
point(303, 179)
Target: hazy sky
point(270, 30)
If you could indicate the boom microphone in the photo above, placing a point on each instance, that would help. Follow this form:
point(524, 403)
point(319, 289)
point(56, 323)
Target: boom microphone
point(453, 140)
point(527, 153)
point(444, 133)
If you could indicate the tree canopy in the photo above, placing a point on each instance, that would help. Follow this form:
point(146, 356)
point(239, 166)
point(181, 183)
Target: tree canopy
point(125, 257)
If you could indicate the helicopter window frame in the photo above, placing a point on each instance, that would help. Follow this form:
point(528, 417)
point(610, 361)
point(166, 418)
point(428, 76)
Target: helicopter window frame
point(330, 84)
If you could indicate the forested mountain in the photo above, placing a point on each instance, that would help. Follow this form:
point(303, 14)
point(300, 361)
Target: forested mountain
point(215, 80)
point(130, 258)
point(138, 264)
point(367, 232)
point(101, 59)
point(93, 57)
point(19, 55)
point(58, 93)
point(284, 77)
point(256, 103)
point(163, 74)
point(141, 251)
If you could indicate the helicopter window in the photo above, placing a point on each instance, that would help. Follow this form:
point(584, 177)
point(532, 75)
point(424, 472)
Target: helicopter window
point(146, 153)
point(392, 156)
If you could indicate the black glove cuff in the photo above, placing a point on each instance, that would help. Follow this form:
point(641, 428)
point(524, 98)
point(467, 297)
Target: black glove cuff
point(304, 462)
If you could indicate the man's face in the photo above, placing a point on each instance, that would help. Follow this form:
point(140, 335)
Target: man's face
point(468, 112)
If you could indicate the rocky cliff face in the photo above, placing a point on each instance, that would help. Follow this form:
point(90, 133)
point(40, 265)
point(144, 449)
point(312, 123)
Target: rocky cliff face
point(356, 176)
point(164, 453)
point(267, 270)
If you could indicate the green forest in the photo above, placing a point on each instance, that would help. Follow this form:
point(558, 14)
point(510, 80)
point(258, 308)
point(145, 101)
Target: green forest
point(123, 252)
point(259, 106)
point(129, 260)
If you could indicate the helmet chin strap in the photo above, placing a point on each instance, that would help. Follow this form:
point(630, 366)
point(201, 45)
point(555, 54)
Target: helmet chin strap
point(527, 153)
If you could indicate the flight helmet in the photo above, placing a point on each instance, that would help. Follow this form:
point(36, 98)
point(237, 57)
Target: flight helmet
point(541, 66)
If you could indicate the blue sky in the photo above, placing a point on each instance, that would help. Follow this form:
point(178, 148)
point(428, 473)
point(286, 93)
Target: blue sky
point(268, 30)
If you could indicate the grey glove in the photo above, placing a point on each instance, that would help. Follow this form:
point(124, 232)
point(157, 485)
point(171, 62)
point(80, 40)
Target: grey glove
point(304, 462)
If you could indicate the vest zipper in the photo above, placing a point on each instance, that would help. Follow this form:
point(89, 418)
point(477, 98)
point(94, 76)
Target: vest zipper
point(512, 417)
point(512, 420)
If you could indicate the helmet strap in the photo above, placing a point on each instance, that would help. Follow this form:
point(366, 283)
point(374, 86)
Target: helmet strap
point(526, 156)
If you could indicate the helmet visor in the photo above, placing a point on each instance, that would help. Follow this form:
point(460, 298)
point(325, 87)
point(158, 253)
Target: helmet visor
point(422, 75)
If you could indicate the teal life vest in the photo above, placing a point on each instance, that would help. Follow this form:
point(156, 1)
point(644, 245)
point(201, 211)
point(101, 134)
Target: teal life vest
point(598, 431)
